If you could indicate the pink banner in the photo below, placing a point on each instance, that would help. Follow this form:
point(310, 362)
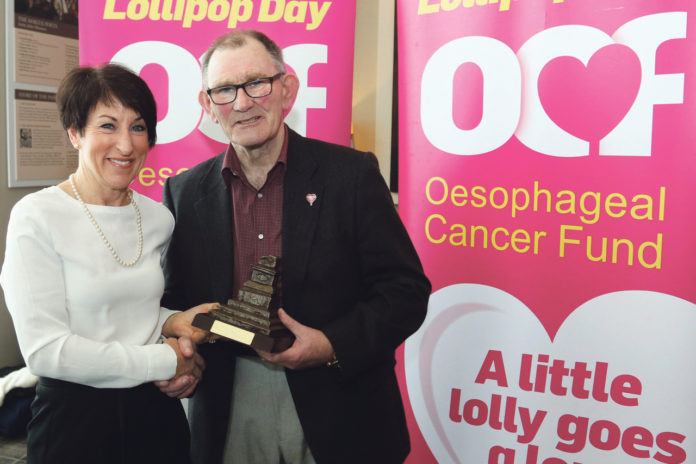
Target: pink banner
point(164, 41)
point(546, 173)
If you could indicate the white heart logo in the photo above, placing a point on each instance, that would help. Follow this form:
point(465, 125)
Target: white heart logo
point(616, 384)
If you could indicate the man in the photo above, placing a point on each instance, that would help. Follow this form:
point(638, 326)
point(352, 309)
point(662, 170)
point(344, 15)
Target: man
point(352, 285)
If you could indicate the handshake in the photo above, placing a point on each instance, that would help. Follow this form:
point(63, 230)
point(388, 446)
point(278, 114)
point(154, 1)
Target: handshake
point(253, 319)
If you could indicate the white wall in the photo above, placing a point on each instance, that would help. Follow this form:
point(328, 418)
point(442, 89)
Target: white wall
point(372, 79)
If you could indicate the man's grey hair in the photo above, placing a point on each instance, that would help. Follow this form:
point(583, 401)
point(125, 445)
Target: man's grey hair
point(239, 38)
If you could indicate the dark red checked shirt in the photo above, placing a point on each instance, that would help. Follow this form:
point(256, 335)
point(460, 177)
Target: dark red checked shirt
point(257, 214)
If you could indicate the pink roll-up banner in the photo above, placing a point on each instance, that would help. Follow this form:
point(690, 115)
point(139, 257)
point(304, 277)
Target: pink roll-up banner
point(164, 40)
point(547, 162)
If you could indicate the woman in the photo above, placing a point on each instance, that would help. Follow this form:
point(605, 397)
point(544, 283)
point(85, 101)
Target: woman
point(82, 280)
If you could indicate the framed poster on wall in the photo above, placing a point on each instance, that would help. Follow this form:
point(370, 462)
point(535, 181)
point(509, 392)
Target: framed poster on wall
point(41, 46)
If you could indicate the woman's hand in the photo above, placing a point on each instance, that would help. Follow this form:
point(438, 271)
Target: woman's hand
point(189, 369)
point(179, 324)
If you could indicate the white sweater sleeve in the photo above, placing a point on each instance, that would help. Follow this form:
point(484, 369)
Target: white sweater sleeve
point(163, 316)
point(33, 281)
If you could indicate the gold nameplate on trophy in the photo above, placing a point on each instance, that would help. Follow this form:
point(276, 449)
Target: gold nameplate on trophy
point(252, 318)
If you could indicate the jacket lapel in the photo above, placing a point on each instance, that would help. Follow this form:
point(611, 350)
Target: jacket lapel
point(214, 215)
point(302, 202)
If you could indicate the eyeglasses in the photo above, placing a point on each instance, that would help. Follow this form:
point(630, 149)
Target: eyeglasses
point(257, 88)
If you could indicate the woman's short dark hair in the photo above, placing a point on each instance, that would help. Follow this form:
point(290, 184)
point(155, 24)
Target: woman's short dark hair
point(85, 87)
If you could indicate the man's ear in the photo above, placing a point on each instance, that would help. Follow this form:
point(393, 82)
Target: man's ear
point(205, 102)
point(291, 85)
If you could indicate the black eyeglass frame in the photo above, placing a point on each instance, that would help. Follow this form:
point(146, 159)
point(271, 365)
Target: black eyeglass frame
point(242, 86)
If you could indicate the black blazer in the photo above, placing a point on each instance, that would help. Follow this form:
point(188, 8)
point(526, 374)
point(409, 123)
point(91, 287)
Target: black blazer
point(349, 269)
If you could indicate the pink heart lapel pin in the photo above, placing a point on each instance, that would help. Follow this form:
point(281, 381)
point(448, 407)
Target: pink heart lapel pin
point(311, 198)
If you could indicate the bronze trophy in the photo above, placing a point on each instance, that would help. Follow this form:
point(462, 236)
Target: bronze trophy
point(252, 318)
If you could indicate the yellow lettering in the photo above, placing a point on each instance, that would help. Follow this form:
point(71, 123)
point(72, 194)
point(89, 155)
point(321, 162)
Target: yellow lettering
point(602, 256)
point(501, 239)
point(444, 193)
point(461, 235)
point(195, 11)
point(520, 236)
point(427, 228)
point(137, 9)
point(594, 212)
point(154, 10)
point(295, 12)
point(179, 11)
point(648, 207)
point(657, 246)
point(146, 177)
point(224, 10)
point(478, 192)
point(164, 174)
point(610, 204)
point(459, 191)
point(615, 250)
point(570, 202)
point(537, 236)
point(317, 14)
point(484, 233)
point(505, 198)
point(663, 194)
point(109, 12)
point(265, 14)
point(425, 8)
point(236, 16)
point(449, 5)
point(537, 193)
point(495, 242)
point(167, 10)
point(589, 206)
point(515, 204)
point(564, 240)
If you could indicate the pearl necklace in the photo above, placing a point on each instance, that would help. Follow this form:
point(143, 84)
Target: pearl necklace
point(101, 233)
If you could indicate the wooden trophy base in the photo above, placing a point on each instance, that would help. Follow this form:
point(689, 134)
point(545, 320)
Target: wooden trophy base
point(272, 343)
